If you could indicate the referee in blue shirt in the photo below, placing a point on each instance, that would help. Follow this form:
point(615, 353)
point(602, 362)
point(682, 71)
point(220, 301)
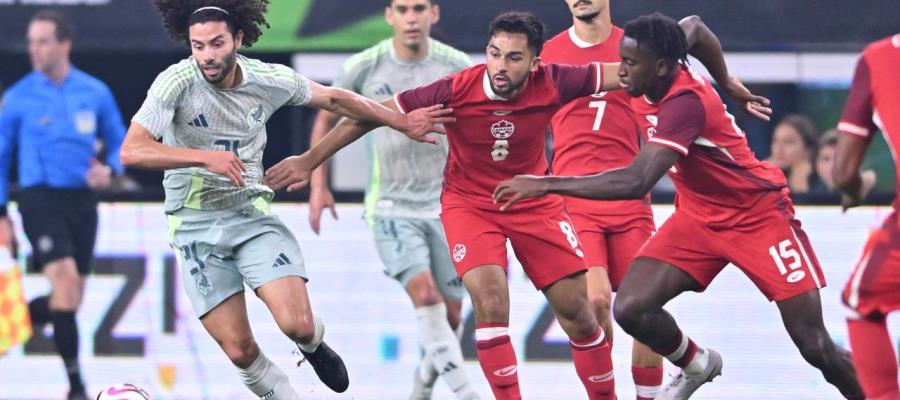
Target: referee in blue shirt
point(53, 118)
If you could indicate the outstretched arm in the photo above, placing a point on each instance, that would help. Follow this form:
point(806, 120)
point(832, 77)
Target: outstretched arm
point(294, 172)
point(631, 182)
point(705, 47)
point(352, 105)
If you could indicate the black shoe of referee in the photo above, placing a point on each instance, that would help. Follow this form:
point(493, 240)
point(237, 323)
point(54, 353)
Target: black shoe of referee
point(328, 366)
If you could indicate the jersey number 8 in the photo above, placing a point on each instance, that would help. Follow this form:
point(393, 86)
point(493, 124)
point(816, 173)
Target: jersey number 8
point(500, 150)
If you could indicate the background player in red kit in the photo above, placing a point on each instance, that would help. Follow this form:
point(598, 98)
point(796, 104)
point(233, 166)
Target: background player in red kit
point(596, 134)
point(874, 287)
point(730, 208)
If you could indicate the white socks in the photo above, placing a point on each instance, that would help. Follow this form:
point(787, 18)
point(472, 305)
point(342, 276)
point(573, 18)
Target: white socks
point(267, 381)
point(441, 346)
point(317, 338)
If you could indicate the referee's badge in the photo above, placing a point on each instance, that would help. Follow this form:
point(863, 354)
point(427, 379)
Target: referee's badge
point(86, 122)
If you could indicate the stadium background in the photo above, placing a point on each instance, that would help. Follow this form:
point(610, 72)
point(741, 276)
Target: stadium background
point(137, 325)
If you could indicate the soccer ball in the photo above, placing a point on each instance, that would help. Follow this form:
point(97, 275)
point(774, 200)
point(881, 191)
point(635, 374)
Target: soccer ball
point(123, 391)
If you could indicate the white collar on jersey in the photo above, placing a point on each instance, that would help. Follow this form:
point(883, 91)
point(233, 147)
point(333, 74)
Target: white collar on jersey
point(577, 40)
point(488, 90)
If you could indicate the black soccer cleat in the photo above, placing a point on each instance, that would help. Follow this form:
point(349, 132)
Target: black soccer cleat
point(328, 366)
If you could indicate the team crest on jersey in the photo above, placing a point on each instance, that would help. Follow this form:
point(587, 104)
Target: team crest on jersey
point(459, 252)
point(257, 116)
point(503, 129)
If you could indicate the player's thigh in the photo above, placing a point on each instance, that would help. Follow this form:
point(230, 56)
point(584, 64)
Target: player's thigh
point(874, 285)
point(474, 238)
point(684, 244)
point(545, 242)
point(227, 323)
point(624, 243)
point(445, 277)
point(208, 275)
point(775, 253)
point(402, 247)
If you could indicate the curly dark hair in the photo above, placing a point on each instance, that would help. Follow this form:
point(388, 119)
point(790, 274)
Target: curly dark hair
point(660, 33)
point(248, 16)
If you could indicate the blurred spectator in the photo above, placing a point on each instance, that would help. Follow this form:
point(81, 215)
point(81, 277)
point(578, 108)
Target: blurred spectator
point(824, 184)
point(793, 149)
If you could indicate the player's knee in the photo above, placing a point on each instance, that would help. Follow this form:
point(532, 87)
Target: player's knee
point(427, 296)
point(300, 329)
point(242, 351)
point(491, 308)
point(600, 305)
point(627, 311)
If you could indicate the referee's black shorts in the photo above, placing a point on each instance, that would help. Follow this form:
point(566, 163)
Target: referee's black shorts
point(59, 223)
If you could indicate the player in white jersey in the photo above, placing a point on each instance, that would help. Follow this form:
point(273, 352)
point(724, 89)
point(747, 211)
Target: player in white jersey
point(210, 112)
point(403, 196)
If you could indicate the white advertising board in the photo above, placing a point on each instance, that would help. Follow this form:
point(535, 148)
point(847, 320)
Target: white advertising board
point(137, 325)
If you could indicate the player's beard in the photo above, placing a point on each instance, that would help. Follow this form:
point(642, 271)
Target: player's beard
point(510, 86)
point(227, 65)
point(588, 17)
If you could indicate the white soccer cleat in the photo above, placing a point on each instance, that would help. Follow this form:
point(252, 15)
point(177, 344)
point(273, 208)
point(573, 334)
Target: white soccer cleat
point(422, 387)
point(683, 386)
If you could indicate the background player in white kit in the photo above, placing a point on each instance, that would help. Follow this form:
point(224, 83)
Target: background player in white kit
point(210, 111)
point(403, 196)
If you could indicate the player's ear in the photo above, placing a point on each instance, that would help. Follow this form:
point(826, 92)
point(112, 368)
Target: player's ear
point(535, 63)
point(435, 13)
point(663, 67)
point(389, 14)
point(238, 39)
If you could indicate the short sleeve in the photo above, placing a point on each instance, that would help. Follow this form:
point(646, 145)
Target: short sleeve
point(301, 93)
point(437, 92)
point(574, 81)
point(857, 116)
point(155, 116)
point(682, 120)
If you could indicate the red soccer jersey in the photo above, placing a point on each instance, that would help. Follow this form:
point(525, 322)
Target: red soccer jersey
point(718, 178)
point(495, 139)
point(595, 133)
point(874, 100)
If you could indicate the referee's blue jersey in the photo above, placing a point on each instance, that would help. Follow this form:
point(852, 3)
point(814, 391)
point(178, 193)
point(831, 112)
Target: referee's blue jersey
point(55, 127)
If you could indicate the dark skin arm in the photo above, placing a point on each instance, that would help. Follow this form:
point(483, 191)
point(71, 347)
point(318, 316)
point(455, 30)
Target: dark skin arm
point(631, 182)
point(704, 45)
point(848, 181)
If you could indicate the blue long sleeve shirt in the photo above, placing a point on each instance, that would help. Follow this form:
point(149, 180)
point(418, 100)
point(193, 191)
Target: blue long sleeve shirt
point(54, 127)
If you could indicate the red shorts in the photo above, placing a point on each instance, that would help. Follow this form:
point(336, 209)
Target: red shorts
point(769, 247)
point(874, 285)
point(543, 238)
point(611, 241)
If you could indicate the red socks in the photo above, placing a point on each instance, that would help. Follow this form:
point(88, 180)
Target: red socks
point(874, 358)
point(498, 360)
point(647, 381)
point(593, 362)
